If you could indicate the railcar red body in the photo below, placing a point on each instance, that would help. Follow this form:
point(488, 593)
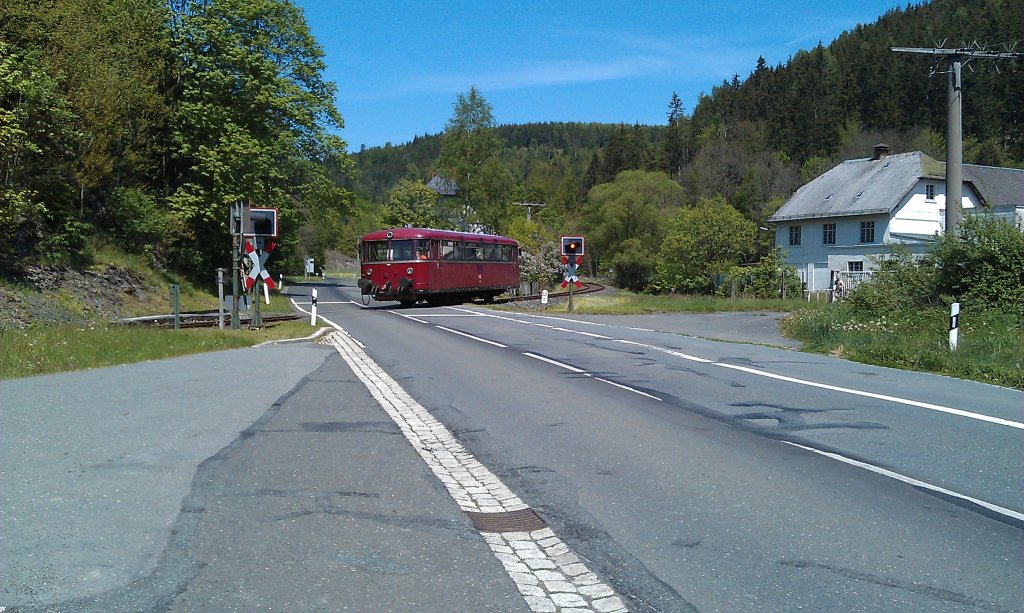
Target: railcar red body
point(436, 266)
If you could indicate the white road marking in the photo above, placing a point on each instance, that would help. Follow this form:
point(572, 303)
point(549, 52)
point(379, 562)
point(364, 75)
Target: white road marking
point(627, 388)
point(407, 316)
point(475, 338)
point(545, 571)
point(847, 390)
point(763, 373)
point(327, 302)
point(583, 372)
point(911, 481)
point(550, 361)
point(446, 315)
point(678, 354)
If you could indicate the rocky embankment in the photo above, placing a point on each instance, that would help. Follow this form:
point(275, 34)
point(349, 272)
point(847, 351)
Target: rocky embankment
point(59, 295)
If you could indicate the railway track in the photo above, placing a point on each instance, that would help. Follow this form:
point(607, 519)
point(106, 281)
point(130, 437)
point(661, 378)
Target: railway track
point(209, 319)
point(588, 288)
point(203, 320)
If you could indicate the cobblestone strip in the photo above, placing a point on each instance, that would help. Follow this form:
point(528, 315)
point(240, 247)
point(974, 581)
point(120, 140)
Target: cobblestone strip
point(547, 573)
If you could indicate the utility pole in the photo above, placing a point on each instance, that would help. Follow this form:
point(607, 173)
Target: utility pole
point(529, 207)
point(236, 234)
point(956, 58)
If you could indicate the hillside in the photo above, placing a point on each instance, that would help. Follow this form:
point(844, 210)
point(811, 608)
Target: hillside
point(756, 139)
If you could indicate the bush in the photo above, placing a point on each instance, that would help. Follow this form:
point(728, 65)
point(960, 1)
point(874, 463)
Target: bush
point(984, 265)
point(765, 279)
point(137, 223)
point(900, 285)
point(69, 245)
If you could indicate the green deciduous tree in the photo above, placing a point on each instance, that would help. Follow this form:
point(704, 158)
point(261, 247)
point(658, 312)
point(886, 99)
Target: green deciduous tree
point(702, 242)
point(412, 203)
point(625, 224)
point(36, 133)
point(253, 120)
point(469, 156)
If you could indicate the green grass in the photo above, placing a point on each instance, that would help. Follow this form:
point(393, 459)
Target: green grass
point(990, 348)
point(48, 349)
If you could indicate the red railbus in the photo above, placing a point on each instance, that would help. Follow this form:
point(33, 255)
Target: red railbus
point(436, 266)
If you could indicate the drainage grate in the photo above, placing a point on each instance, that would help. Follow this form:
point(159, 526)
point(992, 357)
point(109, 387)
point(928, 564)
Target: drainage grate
point(523, 520)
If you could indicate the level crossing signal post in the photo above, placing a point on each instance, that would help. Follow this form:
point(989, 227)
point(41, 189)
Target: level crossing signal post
point(572, 257)
point(253, 230)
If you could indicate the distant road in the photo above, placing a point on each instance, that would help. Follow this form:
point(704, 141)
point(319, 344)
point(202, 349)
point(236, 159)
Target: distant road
point(725, 476)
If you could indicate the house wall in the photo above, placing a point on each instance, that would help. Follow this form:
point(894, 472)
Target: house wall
point(814, 260)
point(917, 216)
point(1013, 214)
point(914, 224)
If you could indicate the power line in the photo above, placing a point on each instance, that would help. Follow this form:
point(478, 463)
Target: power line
point(956, 58)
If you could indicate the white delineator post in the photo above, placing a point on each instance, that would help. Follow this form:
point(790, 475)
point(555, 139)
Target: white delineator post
point(312, 311)
point(954, 325)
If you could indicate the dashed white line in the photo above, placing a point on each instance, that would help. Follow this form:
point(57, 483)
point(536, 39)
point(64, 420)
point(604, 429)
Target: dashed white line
point(912, 481)
point(583, 372)
point(627, 388)
point(553, 362)
point(475, 338)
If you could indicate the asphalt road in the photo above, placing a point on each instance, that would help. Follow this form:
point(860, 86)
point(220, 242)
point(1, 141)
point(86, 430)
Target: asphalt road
point(684, 473)
point(695, 470)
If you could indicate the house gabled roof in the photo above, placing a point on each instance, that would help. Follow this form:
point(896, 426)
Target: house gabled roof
point(864, 186)
point(999, 187)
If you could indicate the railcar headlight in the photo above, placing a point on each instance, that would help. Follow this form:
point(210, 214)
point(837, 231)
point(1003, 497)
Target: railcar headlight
point(408, 271)
point(369, 272)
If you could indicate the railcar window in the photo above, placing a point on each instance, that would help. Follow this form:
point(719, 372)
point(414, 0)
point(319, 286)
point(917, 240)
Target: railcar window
point(447, 250)
point(402, 250)
point(376, 251)
point(422, 250)
point(467, 252)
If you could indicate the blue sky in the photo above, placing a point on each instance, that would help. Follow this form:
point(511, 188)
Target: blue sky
point(399, 65)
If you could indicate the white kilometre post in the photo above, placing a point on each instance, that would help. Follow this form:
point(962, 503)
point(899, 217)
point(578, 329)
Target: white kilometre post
point(954, 325)
point(312, 311)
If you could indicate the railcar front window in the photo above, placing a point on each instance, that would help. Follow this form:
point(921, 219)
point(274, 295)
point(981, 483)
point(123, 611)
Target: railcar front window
point(376, 251)
point(402, 250)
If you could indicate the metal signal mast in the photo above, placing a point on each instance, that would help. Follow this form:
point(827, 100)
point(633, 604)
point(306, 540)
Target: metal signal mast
point(956, 58)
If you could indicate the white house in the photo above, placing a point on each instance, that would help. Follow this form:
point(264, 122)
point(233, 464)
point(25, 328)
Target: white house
point(838, 221)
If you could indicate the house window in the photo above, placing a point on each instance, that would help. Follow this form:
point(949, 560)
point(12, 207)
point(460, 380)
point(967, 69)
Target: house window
point(828, 236)
point(867, 231)
point(794, 235)
point(855, 266)
point(929, 192)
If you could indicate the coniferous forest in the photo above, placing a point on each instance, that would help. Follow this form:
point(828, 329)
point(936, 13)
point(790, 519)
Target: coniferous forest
point(138, 122)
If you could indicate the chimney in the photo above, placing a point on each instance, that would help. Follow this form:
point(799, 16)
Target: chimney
point(880, 151)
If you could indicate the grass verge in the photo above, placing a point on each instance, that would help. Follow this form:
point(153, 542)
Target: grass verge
point(990, 348)
point(48, 349)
